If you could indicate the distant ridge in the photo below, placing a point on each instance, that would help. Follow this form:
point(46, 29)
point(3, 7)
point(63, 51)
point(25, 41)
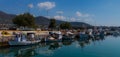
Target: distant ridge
point(40, 20)
point(6, 18)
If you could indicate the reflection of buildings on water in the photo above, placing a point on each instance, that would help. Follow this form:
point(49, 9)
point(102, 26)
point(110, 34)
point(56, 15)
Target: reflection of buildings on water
point(83, 43)
point(28, 51)
point(43, 49)
point(66, 43)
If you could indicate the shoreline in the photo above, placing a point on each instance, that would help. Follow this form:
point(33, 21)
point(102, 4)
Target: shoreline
point(17, 31)
point(5, 38)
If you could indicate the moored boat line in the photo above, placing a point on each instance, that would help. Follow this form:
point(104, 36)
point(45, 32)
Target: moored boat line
point(29, 38)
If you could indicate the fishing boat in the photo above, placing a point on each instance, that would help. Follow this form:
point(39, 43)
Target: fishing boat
point(54, 37)
point(16, 43)
point(21, 39)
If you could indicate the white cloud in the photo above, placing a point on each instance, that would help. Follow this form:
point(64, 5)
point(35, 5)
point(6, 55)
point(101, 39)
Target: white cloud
point(88, 20)
point(59, 12)
point(59, 17)
point(30, 5)
point(79, 14)
point(72, 19)
point(84, 17)
point(46, 5)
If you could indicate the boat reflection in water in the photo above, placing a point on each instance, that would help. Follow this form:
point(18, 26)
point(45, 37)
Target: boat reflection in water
point(42, 49)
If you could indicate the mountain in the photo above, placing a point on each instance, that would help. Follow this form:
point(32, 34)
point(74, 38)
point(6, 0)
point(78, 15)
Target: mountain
point(45, 21)
point(40, 20)
point(79, 24)
point(6, 18)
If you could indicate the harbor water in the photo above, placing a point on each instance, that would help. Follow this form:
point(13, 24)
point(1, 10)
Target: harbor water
point(109, 46)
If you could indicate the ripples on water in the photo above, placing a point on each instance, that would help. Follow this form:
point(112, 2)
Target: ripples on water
point(101, 47)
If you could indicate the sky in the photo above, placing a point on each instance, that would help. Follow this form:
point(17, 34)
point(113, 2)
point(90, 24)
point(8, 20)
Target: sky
point(94, 12)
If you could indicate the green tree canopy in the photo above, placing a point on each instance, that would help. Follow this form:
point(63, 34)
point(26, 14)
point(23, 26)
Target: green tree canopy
point(26, 20)
point(65, 25)
point(52, 23)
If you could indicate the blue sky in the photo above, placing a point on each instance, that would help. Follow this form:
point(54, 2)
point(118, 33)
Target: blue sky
point(95, 12)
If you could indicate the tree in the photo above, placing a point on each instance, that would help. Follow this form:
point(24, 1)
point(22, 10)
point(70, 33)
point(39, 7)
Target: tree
point(52, 24)
point(65, 25)
point(25, 20)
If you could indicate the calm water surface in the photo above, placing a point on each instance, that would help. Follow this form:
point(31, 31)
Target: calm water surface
point(107, 47)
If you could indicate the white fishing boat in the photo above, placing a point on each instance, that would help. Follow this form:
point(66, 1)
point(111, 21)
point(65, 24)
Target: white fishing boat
point(22, 40)
point(15, 43)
